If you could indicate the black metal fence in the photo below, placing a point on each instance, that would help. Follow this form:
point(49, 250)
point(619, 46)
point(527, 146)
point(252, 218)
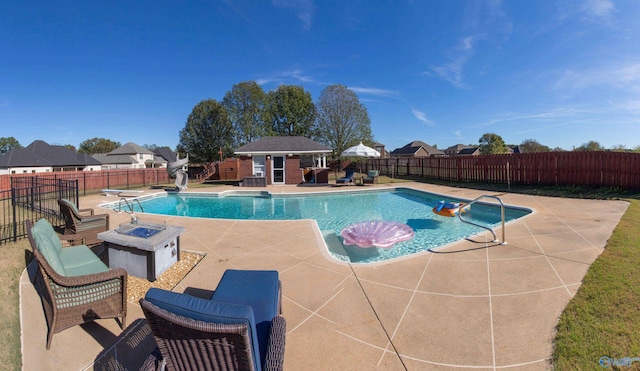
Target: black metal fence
point(33, 198)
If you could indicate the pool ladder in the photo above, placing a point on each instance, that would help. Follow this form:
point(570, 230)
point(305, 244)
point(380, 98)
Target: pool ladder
point(495, 238)
point(130, 206)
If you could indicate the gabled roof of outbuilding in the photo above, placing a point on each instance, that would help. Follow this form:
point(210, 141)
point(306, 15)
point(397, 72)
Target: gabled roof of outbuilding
point(296, 145)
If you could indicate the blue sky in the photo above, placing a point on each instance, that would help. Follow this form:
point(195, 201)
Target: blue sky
point(444, 72)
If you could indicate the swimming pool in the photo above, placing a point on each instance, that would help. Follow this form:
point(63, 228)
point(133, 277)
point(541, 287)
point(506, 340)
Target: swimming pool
point(334, 211)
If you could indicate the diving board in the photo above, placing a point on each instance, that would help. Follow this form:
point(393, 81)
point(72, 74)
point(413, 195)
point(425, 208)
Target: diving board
point(118, 192)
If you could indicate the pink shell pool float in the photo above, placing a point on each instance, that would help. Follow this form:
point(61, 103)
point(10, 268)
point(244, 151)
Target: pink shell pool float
point(376, 233)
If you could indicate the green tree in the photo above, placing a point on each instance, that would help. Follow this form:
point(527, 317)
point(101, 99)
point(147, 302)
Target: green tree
point(620, 148)
point(207, 131)
point(8, 143)
point(245, 105)
point(150, 147)
point(492, 144)
point(290, 111)
point(98, 145)
point(71, 147)
point(592, 145)
point(341, 120)
point(532, 146)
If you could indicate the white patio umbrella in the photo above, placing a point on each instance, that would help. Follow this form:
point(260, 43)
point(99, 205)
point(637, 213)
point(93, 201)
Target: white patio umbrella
point(360, 151)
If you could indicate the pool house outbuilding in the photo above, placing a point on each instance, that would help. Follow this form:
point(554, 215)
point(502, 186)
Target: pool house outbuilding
point(283, 160)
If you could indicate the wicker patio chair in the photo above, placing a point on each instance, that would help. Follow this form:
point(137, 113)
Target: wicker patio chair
point(372, 177)
point(83, 222)
point(239, 328)
point(75, 286)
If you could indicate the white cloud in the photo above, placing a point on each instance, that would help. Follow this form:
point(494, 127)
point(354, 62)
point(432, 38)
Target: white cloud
point(422, 117)
point(621, 76)
point(598, 8)
point(286, 76)
point(374, 91)
point(482, 21)
point(304, 10)
point(563, 114)
point(299, 75)
point(458, 57)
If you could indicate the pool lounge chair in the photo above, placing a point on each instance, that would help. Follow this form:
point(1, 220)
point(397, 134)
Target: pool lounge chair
point(372, 177)
point(239, 328)
point(348, 178)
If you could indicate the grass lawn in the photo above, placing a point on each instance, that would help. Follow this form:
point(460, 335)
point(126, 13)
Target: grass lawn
point(600, 321)
point(11, 266)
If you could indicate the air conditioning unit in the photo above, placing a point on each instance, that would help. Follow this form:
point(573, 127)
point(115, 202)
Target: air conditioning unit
point(259, 173)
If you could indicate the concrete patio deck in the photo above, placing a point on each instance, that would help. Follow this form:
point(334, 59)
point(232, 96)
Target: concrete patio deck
point(467, 306)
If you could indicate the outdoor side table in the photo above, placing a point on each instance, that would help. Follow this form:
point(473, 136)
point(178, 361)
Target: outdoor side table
point(144, 250)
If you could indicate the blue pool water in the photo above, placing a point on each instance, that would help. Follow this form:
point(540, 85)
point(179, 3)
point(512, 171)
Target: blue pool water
point(334, 211)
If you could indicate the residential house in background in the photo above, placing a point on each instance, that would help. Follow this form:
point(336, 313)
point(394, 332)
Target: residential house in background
point(41, 157)
point(165, 153)
point(130, 156)
point(416, 149)
point(469, 151)
point(455, 149)
point(380, 148)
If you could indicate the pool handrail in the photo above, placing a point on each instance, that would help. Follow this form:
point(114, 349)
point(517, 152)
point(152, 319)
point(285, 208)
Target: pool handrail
point(495, 238)
point(129, 205)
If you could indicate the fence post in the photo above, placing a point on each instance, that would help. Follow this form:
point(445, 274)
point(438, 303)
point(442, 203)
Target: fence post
point(13, 209)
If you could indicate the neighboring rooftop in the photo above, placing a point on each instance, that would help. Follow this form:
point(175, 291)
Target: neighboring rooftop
point(166, 153)
point(130, 149)
point(41, 154)
point(418, 149)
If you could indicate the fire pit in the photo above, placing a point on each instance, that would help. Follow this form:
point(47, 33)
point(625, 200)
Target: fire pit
point(144, 250)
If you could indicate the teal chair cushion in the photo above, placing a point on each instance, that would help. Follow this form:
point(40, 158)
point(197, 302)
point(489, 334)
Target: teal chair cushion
point(73, 205)
point(80, 260)
point(49, 245)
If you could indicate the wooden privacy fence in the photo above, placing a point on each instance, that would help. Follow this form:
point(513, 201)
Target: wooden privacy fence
point(103, 179)
point(592, 169)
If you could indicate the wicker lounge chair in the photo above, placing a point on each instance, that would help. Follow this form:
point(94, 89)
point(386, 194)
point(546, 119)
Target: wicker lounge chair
point(83, 222)
point(74, 284)
point(372, 177)
point(239, 328)
point(347, 179)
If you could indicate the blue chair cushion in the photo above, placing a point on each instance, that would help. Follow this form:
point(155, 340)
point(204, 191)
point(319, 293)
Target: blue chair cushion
point(207, 311)
point(259, 289)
